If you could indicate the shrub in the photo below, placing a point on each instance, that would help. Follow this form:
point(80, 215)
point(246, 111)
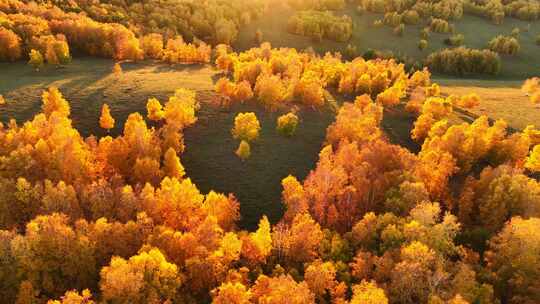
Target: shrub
point(411, 17)
point(36, 60)
point(244, 150)
point(422, 44)
point(455, 40)
point(439, 26)
point(462, 61)
point(424, 33)
point(504, 45)
point(286, 124)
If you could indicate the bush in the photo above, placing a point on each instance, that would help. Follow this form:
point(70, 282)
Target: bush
point(424, 33)
point(461, 61)
point(455, 40)
point(422, 44)
point(411, 17)
point(244, 150)
point(504, 45)
point(286, 124)
point(439, 26)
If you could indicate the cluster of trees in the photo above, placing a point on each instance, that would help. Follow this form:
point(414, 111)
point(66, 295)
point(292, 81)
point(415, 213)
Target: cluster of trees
point(321, 24)
point(246, 129)
point(116, 219)
point(507, 45)
point(88, 27)
point(461, 61)
point(280, 77)
point(497, 10)
point(214, 21)
point(317, 4)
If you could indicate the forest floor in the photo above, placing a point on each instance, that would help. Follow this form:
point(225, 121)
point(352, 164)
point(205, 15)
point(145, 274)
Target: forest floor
point(477, 31)
point(209, 157)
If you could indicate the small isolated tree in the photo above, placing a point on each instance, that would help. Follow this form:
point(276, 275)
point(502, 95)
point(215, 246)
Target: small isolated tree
point(287, 123)
point(246, 127)
point(2, 100)
point(117, 69)
point(422, 44)
point(36, 60)
point(244, 150)
point(154, 109)
point(106, 121)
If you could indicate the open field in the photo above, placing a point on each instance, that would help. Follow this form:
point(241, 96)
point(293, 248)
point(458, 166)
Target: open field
point(365, 36)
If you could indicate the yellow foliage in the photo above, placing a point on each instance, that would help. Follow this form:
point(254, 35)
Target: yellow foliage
point(154, 109)
point(533, 161)
point(246, 127)
point(106, 121)
point(244, 150)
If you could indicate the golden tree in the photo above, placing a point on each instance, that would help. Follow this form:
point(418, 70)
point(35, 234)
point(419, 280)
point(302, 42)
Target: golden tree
point(287, 123)
point(154, 109)
point(106, 121)
point(36, 60)
point(533, 161)
point(2, 100)
point(172, 165)
point(246, 127)
point(244, 150)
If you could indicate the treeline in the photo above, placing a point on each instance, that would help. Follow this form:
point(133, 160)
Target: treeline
point(453, 10)
point(462, 61)
point(47, 29)
point(321, 24)
point(213, 21)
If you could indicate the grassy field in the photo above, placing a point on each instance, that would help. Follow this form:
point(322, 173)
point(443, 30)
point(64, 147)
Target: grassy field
point(499, 100)
point(209, 157)
point(478, 31)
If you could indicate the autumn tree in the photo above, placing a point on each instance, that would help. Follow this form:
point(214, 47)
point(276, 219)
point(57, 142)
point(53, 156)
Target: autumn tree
point(320, 277)
point(10, 45)
point(287, 123)
point(41, 256)
point(74, 297)
point(146, 277)
point(233, 293)
point(246, 127)
point(106, 121)
point(36, 60)
point(2, 100)
point(154, 110)
point(533, 161)
point(244, 150)
point(368, 293)
point(282, 289)
point(512, 258)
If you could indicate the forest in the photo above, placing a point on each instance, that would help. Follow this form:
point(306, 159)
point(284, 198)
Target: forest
point(419, 192)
